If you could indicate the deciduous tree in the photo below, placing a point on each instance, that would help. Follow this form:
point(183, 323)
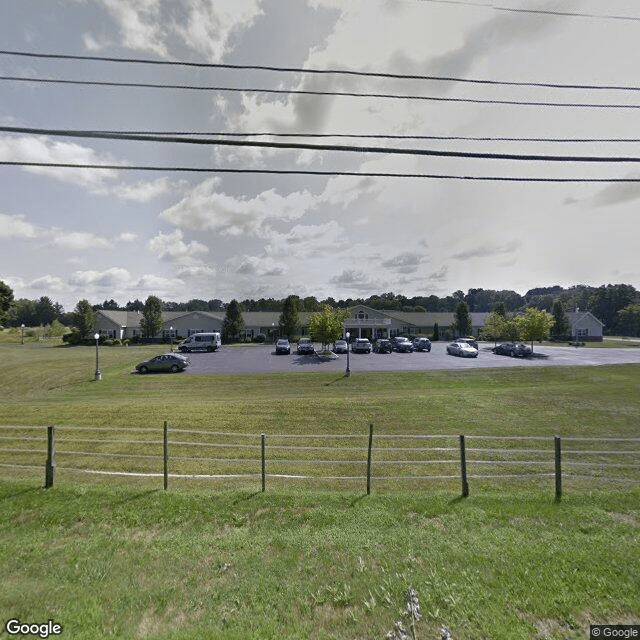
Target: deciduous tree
point(151, 321)
point(233, 323)
point(535, 325)
point(326, 326)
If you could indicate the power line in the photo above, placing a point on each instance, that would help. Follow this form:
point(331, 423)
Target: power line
point(320, 147)
point(316, 71)
point(368, 174)
point(308, 92)
point(569, 14)
point(385, 136)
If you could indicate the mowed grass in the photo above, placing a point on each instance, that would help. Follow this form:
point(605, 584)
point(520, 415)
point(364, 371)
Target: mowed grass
point(127, 560)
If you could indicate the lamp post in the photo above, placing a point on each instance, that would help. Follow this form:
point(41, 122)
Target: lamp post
point(22, 334)
point(348, 371)
point(98, 372)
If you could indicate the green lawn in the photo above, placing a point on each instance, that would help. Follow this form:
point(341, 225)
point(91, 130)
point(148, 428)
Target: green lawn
point(124, 559)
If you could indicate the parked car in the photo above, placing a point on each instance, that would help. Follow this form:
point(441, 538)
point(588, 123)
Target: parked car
point(513, 349)
point(462, 349)
point(402, 345)
point(283, 346)
point(305, 346)
point(340, 346)
point(472, 341)
point(168, 362)
point(382, 345)
point(422, 344)
point(361, 345)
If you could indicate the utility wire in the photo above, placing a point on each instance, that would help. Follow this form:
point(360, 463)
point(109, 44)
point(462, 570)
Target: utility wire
point(570, 14)
point(316, 71)
point(367, 174)
point(320, 147)
point(385, 136)
point(308, 92)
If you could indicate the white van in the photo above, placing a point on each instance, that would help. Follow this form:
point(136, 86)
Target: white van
point(201, 342)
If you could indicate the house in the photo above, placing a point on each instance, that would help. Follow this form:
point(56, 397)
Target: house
point(585, 327)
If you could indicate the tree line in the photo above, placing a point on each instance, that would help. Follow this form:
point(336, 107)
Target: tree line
point(616, 305)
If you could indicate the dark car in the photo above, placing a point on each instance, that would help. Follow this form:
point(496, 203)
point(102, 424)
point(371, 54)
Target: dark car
point(283, 346)
point(513, 349)
point(305, 346)
point(340, 346)
point(382, 346)
point(402, 345)
point(168, 362)
point(422, 344)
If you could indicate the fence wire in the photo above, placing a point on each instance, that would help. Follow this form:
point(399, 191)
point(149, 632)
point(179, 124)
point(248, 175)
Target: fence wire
point(334, 457)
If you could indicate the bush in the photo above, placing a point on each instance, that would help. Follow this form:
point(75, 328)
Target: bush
point(260, 338)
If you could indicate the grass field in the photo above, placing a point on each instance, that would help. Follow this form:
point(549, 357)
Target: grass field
point(108, 559)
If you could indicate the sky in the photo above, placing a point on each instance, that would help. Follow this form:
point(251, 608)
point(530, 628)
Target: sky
point(101, 234)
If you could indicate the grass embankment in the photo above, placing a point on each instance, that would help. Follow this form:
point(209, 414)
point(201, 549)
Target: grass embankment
point(127, 563)
point(134, 562)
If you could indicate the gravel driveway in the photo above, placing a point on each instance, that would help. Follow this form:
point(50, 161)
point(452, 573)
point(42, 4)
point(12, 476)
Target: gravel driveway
point(262, 358)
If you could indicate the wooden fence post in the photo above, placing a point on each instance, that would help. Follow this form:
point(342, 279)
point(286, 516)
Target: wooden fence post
point(463, 468)
point(165, 454)
point(558, 456)
point(369, 459)
point(50, 467)
point(264, 464)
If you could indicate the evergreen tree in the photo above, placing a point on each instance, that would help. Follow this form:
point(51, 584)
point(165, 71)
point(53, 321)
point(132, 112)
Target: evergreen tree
point(289, 321)
point(233, 323)
point(6, 300)
point(562, 327)
point(151, 321)
point(462, 323)
point(84, 318)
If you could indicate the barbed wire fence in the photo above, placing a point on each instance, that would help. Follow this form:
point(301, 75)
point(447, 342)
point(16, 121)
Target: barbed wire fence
point(363, 459)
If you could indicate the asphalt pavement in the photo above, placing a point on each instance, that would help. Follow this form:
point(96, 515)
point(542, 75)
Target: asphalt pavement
point(263, 359)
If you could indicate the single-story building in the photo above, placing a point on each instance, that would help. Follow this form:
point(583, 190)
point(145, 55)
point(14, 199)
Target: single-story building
point(362, 322)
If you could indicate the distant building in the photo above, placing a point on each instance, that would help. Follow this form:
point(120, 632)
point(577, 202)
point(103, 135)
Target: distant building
point(362, 322)
point(585, 327)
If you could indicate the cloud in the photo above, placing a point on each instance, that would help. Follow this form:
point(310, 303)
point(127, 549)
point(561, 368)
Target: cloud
point(153, 25)
point(616, 194)
point(143, 191)
point(18, 227)
point(440, 275)
point(77, 240)
point(205, 209)
point(127, 237)
point(172, 247)
point(139, 24)
point(488, 250)
point(355, 280)
point(43, 149)
point(48, 283)
point(112, 278)
point(405, 262)
point(258, 266)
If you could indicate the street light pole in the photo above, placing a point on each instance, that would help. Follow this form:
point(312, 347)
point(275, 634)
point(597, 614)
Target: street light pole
point(98, 372)
point(347, 373)
point(22, 335)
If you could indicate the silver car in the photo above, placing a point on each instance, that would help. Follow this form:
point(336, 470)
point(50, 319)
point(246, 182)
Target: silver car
point(462, 349)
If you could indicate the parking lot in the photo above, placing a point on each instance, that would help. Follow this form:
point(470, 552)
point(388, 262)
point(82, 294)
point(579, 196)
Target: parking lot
point(262, 359)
